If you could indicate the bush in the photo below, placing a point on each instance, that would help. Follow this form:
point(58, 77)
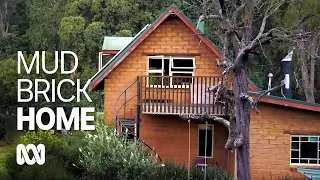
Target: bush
point(169, 171)
point(75, 140)
point(56, 158)
point(175, 172)
point(3, 171)
point(53, 169)
point(107, 156)
point(3, 127)
point(212, 173)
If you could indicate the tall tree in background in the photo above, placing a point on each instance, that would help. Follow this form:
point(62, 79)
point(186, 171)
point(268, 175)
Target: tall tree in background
point(111, 18)
point(13, 25)
point(44, 19)
point(71, 33)
point(307, 48)
point(241, 28)
point(4, 17)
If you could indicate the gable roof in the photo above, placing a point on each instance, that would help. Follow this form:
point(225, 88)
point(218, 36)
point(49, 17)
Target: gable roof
point(141, 36)
point(97, 79)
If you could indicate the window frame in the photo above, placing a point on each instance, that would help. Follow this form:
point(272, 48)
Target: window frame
point(172, 70)
point(299, 150)
point(182, 57)
point(100, 63)
point(203, 127)
point(154, 71)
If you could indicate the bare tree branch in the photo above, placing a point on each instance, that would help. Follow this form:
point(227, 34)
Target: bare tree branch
point(254, 103)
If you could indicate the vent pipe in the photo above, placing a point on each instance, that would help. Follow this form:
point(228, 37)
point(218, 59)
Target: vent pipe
point(270, 75)
point(287, 72)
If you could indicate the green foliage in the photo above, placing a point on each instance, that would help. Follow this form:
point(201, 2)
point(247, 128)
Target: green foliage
point(93, 39)
point(44, 18)
point(71, 33)
point(124, 33)
point(107, 156)
point(3, 171)
point(56, 158)
point(3, 128)
point(298, 9)
point(212, 173)
point(54, 145)
point(169, 171)
point(53, 169)
point(8, 80)
point(175, 172)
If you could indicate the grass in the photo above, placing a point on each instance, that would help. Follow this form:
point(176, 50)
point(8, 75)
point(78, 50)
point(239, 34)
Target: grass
point(9, 142)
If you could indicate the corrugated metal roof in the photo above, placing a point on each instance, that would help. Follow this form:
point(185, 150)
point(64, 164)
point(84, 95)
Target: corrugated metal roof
point(310, 173)
point(115, 43)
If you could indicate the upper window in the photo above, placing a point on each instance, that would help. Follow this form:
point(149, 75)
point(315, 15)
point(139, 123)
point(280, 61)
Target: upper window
point(305, 150)
point(205, 140)
point(104, 59)
point(170, 71)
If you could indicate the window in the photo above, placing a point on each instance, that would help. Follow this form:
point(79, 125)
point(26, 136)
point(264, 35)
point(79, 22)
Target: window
point(305, 150)
point(205, 140)
point(128, 129)
point(103, 59)
point(160, 67)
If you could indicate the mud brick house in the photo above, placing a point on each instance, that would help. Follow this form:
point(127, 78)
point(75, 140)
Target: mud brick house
point(164, 71)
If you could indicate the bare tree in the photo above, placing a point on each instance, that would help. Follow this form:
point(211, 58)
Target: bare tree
point(4, 22)
point(308, 53)
point(234, 23)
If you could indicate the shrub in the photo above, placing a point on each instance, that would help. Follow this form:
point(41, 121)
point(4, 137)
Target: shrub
point(176, 172)
point(54, 144)
point(169, 171)
point(56, 158)
point(3, 171)
point(3, 127)
point(212, 173)
point(107, 156)
point(75, 140)
point(53, 169)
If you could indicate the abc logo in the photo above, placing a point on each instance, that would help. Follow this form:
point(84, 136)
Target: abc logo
point(37, 151)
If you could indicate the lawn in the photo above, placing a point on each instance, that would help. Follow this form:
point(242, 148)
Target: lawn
point(9, 142)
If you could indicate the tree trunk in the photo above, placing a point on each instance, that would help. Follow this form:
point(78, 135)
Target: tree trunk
point(4, 23)
point(307, 79)
point(242, 113)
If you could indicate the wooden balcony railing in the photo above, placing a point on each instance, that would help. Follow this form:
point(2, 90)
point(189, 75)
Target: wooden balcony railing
point(179, 95)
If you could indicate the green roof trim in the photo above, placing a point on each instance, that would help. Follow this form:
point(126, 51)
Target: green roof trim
point(115, 43)
point(252, 83)
point(286, 99)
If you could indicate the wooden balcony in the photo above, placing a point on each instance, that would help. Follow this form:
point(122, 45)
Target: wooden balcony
point(174, 95)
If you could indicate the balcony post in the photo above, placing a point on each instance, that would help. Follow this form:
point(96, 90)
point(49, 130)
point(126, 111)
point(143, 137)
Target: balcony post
point(138, 106)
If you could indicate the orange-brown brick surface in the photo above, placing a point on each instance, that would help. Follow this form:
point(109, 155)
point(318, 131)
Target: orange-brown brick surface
point(270, 146)
point(167, 134)
point(270, 132)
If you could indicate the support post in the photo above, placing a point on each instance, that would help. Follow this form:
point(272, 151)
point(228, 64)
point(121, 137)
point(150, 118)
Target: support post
point(138, 106)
